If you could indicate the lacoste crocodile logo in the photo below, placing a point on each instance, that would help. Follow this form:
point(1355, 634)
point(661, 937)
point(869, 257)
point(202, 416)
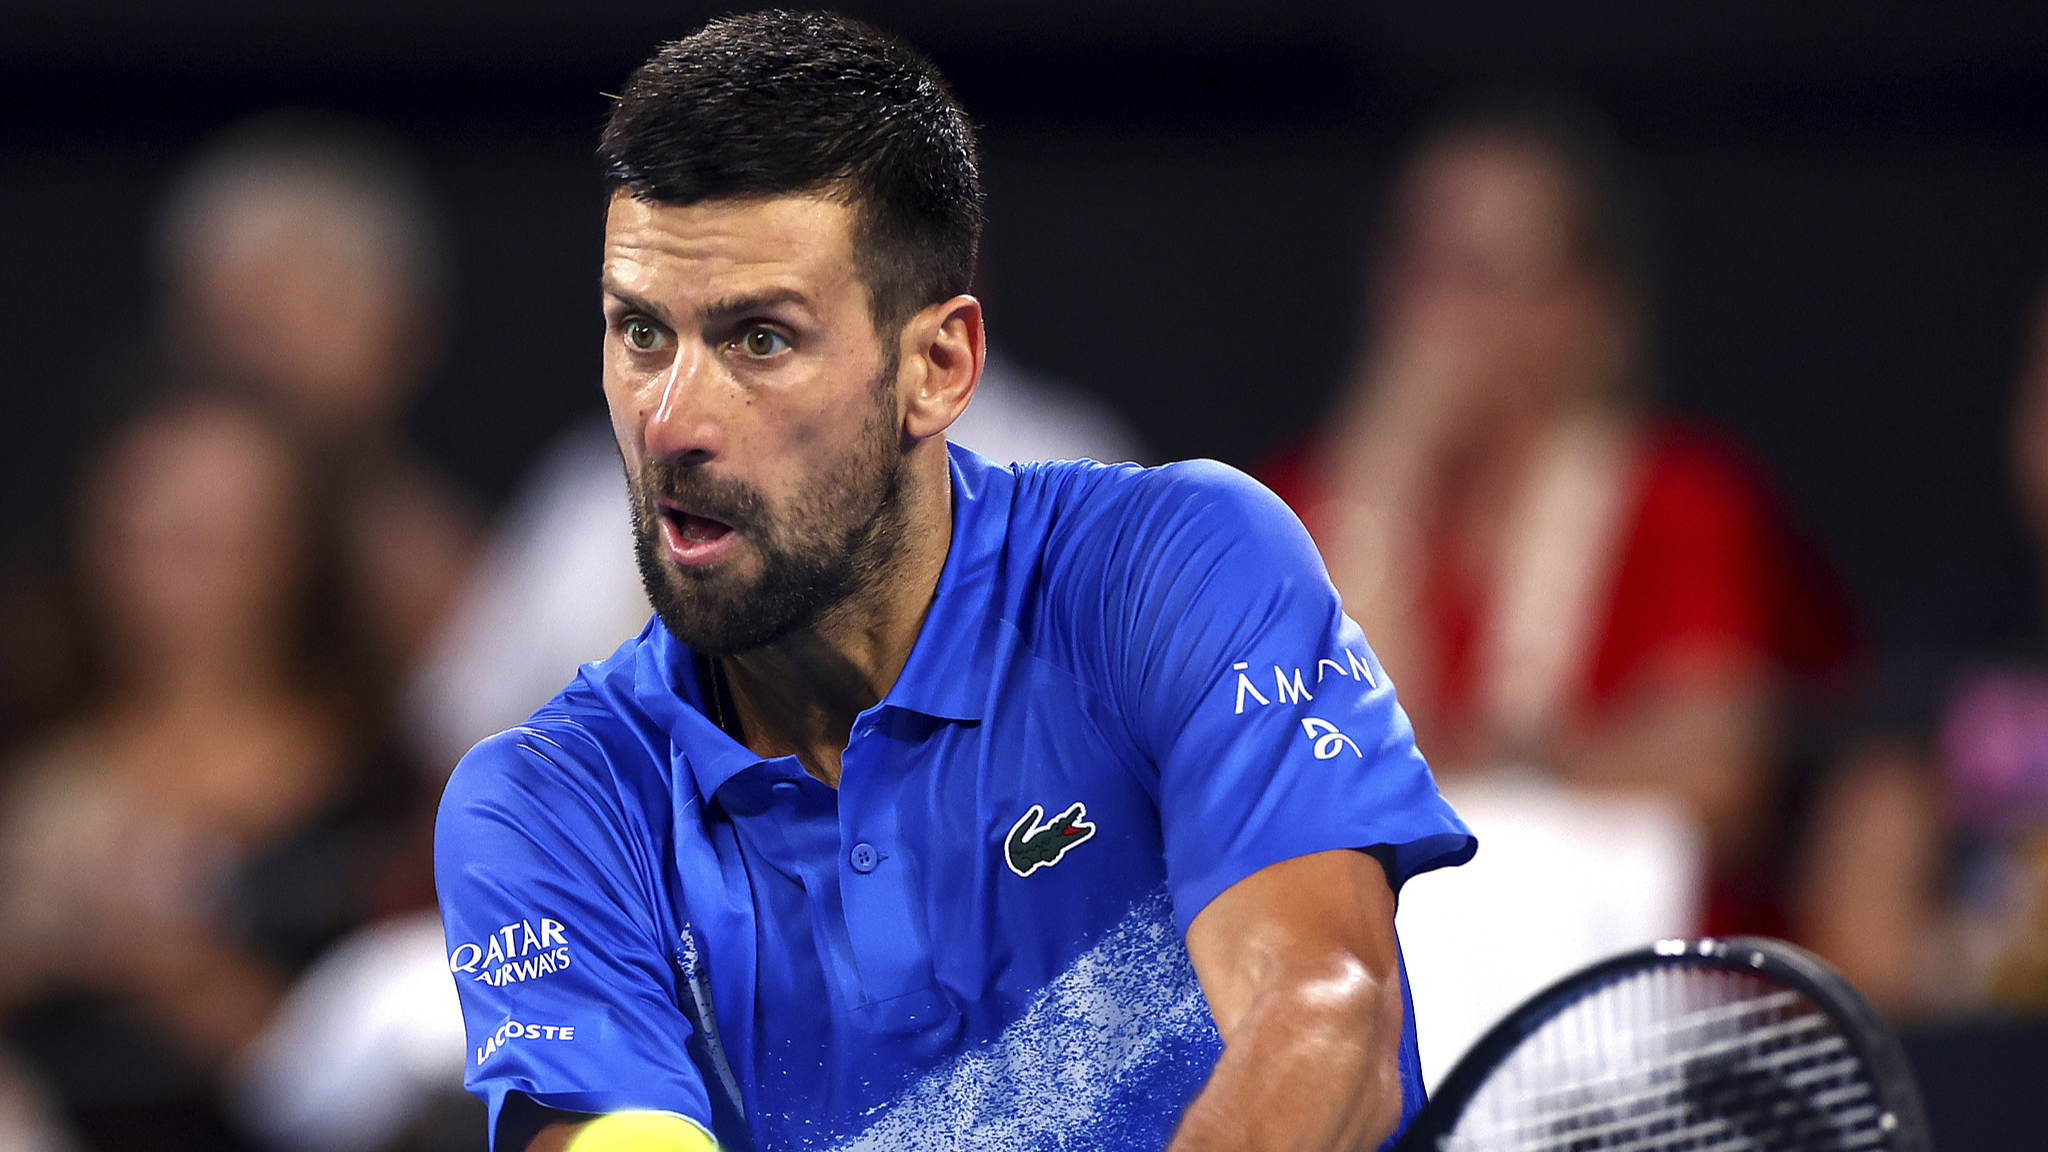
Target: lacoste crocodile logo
point(1032, 846)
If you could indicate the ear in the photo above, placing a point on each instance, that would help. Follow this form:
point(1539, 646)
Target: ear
point(942, 353)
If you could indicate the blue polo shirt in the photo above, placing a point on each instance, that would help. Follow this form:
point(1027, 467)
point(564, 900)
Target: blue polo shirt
point(1134, 687)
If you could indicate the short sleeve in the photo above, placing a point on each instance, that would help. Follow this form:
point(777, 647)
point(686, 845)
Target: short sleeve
point(1274, 729)
point(550, 899)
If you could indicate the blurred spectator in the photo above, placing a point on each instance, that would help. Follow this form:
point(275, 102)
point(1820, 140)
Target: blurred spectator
point(298, 258)
point(39, 672)
point(1927, 881)
point(222, 811)
point(366, 1054)
point(28, 1121)
point(1994, 745)
point(1556, 577)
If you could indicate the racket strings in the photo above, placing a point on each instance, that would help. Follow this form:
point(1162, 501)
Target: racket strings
point(1552, 1061)
point(1611, 1084)
point(1678, 1060)
point(1638, 1097)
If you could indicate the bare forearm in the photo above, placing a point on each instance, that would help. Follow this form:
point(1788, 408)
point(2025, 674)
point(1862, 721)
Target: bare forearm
point(1311, 1067)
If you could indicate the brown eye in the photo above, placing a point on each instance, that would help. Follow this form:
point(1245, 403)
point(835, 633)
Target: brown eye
point(642, 334)
point(762, 342)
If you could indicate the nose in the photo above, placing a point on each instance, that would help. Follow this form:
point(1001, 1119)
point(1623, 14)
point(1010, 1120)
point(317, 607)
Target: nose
point(684, 427)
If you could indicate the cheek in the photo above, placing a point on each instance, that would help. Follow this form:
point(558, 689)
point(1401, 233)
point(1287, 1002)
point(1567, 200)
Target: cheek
point(853, 411)
point(611, 380)
point(819, 442)
point(810, 439)
point(627, 407)
point(626, 433)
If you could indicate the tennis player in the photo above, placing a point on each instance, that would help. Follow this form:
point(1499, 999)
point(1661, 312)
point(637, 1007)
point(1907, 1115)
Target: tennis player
point(943, 805)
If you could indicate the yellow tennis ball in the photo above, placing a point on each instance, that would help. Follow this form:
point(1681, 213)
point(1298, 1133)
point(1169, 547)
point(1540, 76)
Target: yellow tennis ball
point(642, 1132)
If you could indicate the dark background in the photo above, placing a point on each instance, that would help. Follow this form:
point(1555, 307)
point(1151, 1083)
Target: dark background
point(1850, 206)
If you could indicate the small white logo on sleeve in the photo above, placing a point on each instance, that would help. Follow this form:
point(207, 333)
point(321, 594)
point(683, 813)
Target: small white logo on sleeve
point(512, 1030)
point(514, 953)
point(1292, 685)
point(1328, 740)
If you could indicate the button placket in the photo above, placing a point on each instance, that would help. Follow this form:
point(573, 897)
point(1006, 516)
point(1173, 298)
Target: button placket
point(882, 913)
point(864, 858)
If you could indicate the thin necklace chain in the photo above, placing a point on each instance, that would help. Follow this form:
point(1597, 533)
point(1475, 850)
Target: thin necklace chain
point(718, 693)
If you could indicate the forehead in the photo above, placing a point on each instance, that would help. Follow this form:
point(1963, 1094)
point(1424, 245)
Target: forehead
point(1498, 198)
point(686, 254)
point(1481, 176)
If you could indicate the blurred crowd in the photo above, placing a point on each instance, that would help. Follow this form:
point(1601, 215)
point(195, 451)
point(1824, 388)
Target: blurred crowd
point(1624, 657)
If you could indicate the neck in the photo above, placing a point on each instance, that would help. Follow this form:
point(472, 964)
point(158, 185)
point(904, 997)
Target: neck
point(800, 695)
point(1480, 483)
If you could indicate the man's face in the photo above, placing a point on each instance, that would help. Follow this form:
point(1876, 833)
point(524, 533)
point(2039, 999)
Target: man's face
point(756, 412)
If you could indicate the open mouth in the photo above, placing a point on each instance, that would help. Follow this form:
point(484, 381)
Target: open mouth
point(693, 538)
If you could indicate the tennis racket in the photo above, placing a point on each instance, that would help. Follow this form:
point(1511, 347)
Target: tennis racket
point(1741, 1045)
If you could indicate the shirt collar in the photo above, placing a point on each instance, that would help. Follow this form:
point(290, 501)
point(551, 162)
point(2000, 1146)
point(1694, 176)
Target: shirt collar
point(951, 664)
point(953, 661)
point(666, 684)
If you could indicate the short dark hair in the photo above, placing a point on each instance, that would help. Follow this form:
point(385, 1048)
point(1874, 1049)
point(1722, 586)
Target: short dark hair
point(780, 103)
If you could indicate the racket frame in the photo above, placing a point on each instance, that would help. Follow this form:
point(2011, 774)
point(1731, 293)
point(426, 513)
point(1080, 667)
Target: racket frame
point(1861, 1026)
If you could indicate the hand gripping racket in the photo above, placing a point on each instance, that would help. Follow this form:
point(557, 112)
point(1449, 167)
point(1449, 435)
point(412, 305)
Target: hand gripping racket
point(1741, 1045)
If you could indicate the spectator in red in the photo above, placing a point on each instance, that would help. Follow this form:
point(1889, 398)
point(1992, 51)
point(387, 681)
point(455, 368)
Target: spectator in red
point(1556, 576)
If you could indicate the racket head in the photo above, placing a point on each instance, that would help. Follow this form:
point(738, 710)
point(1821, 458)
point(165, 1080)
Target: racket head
point(1762, 1047)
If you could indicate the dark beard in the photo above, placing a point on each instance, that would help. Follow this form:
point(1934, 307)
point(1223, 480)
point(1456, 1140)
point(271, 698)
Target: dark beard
point(838, 538)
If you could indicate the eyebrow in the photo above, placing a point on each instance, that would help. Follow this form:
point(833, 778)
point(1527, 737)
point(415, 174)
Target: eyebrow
point(735, 306)
point(722, 309)
point(611, 288)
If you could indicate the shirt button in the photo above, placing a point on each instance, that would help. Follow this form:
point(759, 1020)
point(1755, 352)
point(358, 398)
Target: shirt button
point(865, 858)
point(784, 789)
